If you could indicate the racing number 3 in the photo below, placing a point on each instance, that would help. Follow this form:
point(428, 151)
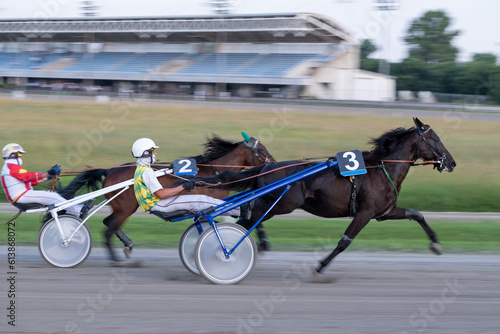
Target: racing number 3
point(351, 163)
point(352, 158)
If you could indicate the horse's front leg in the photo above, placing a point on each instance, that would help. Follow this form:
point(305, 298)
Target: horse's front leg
point(357, 224)
point(401, 213)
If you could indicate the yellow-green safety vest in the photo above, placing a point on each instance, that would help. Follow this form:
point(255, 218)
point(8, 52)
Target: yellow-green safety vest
point(143, 195)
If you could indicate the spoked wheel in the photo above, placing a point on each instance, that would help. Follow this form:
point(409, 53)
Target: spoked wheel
point(213, 264)
point(63, 254)
point(187, 245)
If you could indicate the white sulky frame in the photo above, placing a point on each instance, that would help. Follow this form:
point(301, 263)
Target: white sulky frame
point(53, 210)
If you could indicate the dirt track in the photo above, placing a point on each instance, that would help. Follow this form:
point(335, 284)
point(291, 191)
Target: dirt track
point(365, 293)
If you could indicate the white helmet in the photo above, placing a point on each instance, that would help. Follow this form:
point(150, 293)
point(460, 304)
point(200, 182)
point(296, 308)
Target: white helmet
point(10, 149)
point(143, 148)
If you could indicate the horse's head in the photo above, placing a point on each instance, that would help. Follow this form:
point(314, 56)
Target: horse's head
point(259, 153)
point(430, 147)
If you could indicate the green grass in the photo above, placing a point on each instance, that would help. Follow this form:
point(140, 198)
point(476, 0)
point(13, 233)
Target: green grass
point(79, 134)
point(297, 234)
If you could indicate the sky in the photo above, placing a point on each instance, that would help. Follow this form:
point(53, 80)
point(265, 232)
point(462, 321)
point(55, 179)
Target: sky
point(477, 20)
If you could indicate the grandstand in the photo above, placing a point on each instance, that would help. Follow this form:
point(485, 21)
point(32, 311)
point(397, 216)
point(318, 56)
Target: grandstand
point(287, 55)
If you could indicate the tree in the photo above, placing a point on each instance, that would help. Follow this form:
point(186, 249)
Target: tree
point(367, 48)
point(485, 57)
point(479, 77)
point(430, 40)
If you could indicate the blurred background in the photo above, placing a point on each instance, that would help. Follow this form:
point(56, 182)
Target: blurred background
point(343, 50)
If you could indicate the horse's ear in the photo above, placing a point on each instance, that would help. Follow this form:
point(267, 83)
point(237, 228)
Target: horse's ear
point(418, 123)
point(245, 136)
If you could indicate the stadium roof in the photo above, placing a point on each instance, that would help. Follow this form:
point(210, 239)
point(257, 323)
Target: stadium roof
point(275, 28)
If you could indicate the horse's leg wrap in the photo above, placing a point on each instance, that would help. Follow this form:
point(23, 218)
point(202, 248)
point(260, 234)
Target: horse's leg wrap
point(124, 238)
point(414, 214)
point(341, 246)
point(343, 243)
point(419, 217)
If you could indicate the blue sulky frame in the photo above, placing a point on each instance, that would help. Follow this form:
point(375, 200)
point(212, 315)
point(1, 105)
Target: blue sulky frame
point(239, 199)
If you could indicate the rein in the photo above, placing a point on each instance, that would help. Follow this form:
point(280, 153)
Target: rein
point(76, 171)
point(413, 163)
point(253, 176)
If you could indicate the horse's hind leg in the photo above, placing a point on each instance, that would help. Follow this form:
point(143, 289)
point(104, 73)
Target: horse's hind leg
point(264, 244)
point(127, 242)
point(401, 213)
point(112, 223)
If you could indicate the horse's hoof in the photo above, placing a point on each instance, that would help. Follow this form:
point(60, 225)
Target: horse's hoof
point(436, 248)
point(127, 251)
point(317, 277)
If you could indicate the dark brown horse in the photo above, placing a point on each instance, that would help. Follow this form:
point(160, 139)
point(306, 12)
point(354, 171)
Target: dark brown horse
point(220, 155)
point(328, 194)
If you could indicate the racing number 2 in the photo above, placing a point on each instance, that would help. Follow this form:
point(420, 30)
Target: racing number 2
point(185, 167)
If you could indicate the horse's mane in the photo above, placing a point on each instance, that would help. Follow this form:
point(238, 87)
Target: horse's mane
point(215, 148)
point(386, 144)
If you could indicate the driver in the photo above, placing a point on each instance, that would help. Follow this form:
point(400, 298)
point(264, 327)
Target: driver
point(150, 194)
point(18, 183)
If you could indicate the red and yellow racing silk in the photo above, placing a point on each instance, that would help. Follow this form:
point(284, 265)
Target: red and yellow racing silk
point(17, 180)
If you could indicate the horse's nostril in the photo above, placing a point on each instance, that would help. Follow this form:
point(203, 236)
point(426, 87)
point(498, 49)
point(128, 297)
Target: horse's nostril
point(453, 164)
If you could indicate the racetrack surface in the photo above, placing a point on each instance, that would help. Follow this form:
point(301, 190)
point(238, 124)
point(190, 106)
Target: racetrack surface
point(363, 293)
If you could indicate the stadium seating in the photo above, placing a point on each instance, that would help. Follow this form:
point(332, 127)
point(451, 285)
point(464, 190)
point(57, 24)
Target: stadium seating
point(145, 62)
point(245, 64)
point(99, 62)
point(25, 60)
point(200, 64)
point(217, 63)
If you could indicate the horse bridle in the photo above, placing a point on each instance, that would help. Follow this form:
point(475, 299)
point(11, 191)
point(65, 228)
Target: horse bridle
point(439, 158)
point(253, 144)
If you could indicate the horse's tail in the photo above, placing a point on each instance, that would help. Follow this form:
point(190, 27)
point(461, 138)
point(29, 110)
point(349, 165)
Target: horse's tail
point(92, 179)
point(229, 180)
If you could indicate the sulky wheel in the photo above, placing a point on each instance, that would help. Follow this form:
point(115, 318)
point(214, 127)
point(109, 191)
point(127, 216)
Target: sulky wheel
point(213, 264)
point(187, 245)
point(63, 254)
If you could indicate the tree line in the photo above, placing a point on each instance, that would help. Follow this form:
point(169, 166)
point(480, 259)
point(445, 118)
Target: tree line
point(431, 64)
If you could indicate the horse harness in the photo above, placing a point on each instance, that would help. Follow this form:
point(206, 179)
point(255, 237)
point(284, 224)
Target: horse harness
point(252, 144)
point(440, 158)
point(353, 179)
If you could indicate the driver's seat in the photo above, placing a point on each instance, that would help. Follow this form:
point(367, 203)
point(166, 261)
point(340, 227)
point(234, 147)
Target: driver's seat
point(168, 216)
point(23, 207)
